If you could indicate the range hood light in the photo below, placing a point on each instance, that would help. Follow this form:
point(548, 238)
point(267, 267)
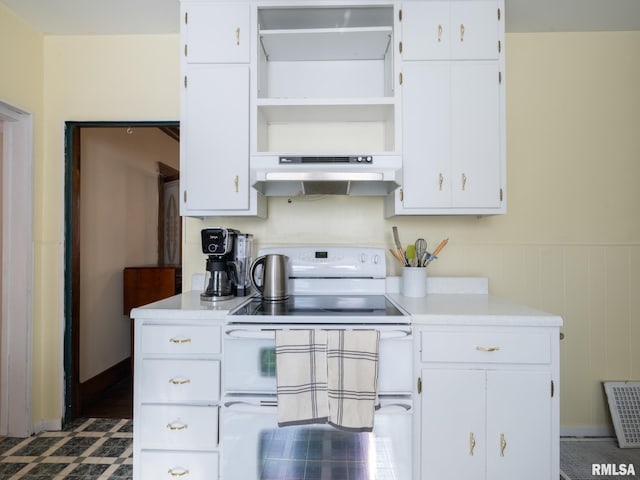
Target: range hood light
point(294, 183)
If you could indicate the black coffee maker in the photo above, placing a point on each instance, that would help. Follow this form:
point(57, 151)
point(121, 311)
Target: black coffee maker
point(221, 278)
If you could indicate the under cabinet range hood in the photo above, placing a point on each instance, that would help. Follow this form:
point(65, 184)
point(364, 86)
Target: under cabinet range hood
point(295, 175)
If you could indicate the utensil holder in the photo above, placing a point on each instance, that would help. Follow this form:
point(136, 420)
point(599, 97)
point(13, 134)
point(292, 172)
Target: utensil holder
point(413, 282)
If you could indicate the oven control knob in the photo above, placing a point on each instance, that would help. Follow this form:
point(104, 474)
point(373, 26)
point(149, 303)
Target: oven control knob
point(376, 259)
point(363, 258)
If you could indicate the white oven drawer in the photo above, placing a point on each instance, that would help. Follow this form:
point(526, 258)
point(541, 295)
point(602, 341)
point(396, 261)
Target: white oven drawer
point(178, 427)
point(175, 381)
point(249, 365)
point(156, 465)
point(485, 347)
point(180, 339)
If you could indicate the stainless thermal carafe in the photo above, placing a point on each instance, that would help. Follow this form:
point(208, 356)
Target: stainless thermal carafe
point(273, 286)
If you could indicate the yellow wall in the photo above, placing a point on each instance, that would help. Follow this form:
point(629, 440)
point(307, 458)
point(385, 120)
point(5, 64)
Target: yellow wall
point(569, 243)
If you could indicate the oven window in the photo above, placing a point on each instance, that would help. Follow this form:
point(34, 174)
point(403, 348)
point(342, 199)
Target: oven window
point(316, 454)
point(268, 362)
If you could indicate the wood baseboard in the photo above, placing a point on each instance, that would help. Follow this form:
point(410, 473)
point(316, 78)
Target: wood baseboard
point(92, 389)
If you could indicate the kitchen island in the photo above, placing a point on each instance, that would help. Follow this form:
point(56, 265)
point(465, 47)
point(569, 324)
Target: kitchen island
point(484, 375)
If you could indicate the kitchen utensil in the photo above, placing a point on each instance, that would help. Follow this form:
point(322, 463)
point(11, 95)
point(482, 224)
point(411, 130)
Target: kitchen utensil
point(421, 250)
point(396, 240)
point(273, 285)
point(438, 249)
point(397, 256)
point(410, 255)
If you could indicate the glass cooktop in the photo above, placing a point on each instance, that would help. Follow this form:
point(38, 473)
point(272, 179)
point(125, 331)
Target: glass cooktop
point(324, 306)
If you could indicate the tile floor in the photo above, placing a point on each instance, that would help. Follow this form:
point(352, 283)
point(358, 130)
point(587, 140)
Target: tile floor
point(87, 449)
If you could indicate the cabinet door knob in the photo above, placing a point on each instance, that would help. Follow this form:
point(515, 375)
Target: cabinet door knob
point(440, 181)
point(464, 181)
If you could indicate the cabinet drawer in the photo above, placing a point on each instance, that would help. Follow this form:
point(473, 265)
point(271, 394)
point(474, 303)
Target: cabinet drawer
point(486, 347)
point(178, 427)
point(180, 339)
point(169, 465)
point(175, 381)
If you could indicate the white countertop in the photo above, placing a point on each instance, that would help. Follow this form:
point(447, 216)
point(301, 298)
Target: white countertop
point(472, 309)
point(186, 306)
point(460, 308)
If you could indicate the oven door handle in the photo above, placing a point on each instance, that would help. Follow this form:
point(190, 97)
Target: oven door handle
point(394, 407)
point(270, 334)
point(251, 334)
point(248, 407)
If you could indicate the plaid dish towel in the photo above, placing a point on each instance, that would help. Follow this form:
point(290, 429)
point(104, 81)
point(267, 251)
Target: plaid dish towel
point(301, 376)
point(352, 362)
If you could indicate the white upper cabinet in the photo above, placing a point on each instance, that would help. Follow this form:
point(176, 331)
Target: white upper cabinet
point(442, 30)
point(215, 111)
point(216, 176)
point(418, 80)
point(217, 33)
point(452, 90)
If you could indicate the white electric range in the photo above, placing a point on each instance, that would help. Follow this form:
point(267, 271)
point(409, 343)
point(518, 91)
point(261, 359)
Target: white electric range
point(329, 288)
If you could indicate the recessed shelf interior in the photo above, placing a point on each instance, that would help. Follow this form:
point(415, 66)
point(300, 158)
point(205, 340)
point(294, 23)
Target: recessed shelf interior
point(325, 79)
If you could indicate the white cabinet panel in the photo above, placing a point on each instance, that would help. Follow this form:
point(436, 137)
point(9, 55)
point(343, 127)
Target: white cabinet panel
point(453, 424)
point(178, 427)
point(217, 33)
point(443, 30)
point(156, 465)
point(518, 425)
point(488, 419)
point(215, 161)
point(474, 30)
point(486, 347)
point(475, 135)
point(180, 381)
point(176, 398)
point(451, 135)
point(180, 339)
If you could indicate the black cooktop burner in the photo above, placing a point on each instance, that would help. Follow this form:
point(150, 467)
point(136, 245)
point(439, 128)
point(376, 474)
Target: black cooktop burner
point(324, 305)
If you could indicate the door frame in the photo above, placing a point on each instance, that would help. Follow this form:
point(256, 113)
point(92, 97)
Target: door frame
point(17, 271)
point(72, 287)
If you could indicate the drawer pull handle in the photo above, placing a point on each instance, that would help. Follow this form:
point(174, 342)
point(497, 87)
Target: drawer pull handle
point(178, 472)
point(503, 444)
point(180, 340)
point(177, 426)
point(487, 349)
point(472, 443)
point(179, 381)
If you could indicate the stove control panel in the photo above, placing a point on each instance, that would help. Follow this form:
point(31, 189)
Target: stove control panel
point(333, 262)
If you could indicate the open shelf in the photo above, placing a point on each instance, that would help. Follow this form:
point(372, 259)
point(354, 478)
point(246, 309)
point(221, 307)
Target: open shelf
point(322, 44)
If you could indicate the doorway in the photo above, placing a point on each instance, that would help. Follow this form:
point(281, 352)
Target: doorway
point(113, 218)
